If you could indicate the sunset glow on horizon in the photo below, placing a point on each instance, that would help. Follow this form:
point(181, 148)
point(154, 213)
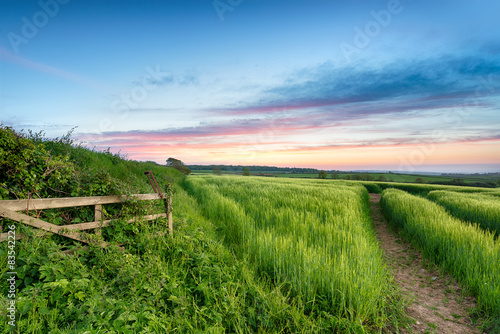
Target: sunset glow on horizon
point(339, 85)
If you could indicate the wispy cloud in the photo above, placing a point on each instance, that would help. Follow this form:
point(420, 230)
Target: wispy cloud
point(51, 70)
point(427, 83)
point(325, 108)
point(168, 78)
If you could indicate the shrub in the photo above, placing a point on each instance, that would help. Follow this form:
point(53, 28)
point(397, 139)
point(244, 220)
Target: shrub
point(26, 167)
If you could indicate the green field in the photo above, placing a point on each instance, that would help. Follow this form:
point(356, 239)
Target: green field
point(314, 239)
point(248, 254)
point(482, 209)
point(469, 253)
point(389, 177)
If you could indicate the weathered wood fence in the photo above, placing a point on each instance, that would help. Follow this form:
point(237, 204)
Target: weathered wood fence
point(11, 209)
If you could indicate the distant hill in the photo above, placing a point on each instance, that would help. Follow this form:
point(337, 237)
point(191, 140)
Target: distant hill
point(478, 175)
point(240, 168)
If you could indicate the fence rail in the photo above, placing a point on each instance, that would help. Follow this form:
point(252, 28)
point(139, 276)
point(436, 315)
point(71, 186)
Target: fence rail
point(10, 209)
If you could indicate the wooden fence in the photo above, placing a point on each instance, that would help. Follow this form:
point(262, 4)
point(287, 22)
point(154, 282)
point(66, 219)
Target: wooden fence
point(10, 209)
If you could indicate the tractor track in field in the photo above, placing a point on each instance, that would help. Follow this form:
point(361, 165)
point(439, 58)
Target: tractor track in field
point(438, 302)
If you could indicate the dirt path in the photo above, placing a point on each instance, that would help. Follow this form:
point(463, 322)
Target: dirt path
point(438, 303)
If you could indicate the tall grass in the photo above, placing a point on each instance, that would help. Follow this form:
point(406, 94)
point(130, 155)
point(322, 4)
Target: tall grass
point(313, 238)
point(420, 189)
point(475, 208)
point(469, 253)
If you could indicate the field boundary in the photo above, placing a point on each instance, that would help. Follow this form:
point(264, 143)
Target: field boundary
point(10, 209)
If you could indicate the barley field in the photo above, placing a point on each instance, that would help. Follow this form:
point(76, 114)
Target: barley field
point(468, 252)
point(313, 238)
point(481, 209)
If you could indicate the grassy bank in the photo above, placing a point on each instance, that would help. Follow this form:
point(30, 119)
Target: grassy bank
point(187, 283)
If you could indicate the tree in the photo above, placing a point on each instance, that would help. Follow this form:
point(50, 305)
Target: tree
point(246, 171)
point(216, 170)
point(179, 165)
point(322, 174)
point(357, 177)
point(458, 182)
point(368, 177)
point(382, 178)
point(347, 177)
point(335, 176)
point(419, 180)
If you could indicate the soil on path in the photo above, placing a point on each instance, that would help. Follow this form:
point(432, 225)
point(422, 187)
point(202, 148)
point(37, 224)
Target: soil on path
point(439, 304)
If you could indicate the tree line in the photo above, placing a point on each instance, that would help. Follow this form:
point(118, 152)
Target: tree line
point(240, 168)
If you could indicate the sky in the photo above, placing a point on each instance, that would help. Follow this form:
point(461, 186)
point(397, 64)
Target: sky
point(410, 85)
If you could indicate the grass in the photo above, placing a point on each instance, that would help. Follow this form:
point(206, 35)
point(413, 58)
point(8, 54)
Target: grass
point(466, 251)
point(190, 282)
point(394, 177)
point(475, 208)
point(390, 177)
point(421, 189)
point(248, 254)
point(315, 240)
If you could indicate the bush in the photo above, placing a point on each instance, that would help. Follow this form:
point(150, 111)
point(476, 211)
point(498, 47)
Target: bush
point(382, 178)
point(179, 165)
point(373, 188)
point(26, 167)
point(216, 170)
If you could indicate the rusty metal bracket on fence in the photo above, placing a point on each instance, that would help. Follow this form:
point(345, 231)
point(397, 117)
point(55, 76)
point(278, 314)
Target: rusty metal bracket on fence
point(154, 184)
point(166, 200)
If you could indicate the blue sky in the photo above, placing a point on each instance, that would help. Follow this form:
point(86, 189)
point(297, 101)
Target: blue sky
point(396, 85)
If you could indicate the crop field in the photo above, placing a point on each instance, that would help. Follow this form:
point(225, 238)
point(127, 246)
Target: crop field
point(475, 208)
point(390, 177)
point(471, 254)
point(313, 238)
point(422, 189)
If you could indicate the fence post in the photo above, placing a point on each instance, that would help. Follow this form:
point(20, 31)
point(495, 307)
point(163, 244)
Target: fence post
point(98, 217)
point(169, 190)
point(170, 221)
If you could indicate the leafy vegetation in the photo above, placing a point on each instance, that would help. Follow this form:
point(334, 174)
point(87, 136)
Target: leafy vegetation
point(475, 208)
point(179, 165)
point(322, 174)
point(28, 168)
point(465, 250)
point(248, 254)
point(239, 169)
point(187, 283)
point(154, 283)
point(216, 170)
